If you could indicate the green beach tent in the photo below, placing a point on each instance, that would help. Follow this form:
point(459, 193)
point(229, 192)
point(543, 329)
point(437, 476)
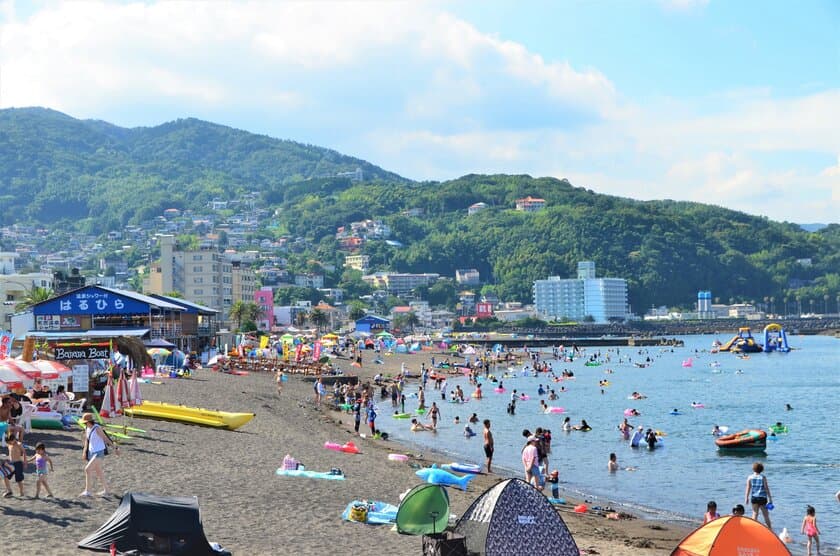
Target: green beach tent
point(424, 510)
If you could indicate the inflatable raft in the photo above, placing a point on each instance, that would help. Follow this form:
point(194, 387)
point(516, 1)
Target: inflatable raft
point(746, 441)
point(192, 415)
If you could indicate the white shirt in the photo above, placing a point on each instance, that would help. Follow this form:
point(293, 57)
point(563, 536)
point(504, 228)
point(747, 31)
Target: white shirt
point(95, 442)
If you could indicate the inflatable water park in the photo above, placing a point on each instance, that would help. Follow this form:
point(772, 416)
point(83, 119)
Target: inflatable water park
point(775, 339)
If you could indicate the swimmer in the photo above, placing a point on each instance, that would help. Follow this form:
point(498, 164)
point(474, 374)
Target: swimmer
point(716, 431)
point(567, 424)
point(417, 426)
point(612, 465)
point(474, 419)
point(543, 406)
point(584, 426)
point(468, 432)
point(457, 420)
point(552, 395)
point(788, 407)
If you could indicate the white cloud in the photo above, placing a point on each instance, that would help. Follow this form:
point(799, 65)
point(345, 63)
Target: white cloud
point(419, 91)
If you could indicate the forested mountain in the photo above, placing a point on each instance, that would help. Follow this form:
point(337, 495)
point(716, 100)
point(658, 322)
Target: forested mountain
point(99, 176)
point(666, 250)
point(53, 167)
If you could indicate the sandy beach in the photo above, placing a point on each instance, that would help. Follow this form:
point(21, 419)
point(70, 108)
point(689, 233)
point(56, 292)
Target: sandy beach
point(247, 508)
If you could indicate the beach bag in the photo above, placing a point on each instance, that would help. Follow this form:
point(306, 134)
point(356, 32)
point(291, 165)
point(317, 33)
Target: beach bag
point(290, 463)
point(359, 513)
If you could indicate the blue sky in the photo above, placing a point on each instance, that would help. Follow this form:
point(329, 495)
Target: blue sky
point(730, 103)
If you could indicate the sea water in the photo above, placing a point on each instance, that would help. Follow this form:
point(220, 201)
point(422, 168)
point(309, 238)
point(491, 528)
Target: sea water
point(676, 480)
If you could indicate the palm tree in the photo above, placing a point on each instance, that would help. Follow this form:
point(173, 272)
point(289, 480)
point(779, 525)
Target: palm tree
point(34, 296)
point(243, 311)
point(319, 318)
point(301, 318)
point(412, 320)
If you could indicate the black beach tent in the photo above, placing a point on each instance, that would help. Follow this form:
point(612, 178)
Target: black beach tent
point(150, 524)
point(514, 518)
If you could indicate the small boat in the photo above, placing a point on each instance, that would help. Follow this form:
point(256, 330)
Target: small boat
point(192, 415)
point(746, 441)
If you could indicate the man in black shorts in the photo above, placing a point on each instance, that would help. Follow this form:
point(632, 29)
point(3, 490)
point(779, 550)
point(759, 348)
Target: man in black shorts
point(488, 444)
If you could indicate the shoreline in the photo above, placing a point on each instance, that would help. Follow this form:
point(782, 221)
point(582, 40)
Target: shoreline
point(244, 506)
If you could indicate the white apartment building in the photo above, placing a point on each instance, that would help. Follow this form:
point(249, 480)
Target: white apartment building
point(357, 262)
point(14, 288)
point(399, 283)
point(205, 277)
point(467, 276)
point(603, 299)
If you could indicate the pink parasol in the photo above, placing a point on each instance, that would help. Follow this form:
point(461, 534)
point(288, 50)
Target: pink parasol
point(134, 389)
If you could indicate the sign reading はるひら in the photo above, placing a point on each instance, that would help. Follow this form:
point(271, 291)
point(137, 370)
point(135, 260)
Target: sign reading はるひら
point(81, 351)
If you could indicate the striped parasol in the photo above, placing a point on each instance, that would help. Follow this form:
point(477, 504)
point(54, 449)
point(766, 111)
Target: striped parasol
point(110, 404)
point(134, 389)
point(124, 392)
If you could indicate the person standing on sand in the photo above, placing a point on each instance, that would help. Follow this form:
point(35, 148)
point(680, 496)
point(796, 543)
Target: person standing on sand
point(758, 494)
point(371, 418)
point(17, 457)
point(279, 380)
point(488, 444)
point(357, 414)
point(94, 452)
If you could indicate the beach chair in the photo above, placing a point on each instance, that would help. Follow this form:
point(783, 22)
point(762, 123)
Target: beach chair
point(76, 407)
point(25, 419)
point(59, 406)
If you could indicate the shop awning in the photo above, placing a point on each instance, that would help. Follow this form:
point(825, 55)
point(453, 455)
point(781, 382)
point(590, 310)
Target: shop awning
point(89, 334)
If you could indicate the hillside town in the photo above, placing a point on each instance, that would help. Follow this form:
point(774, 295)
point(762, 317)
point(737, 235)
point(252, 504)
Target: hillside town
point(229, 254)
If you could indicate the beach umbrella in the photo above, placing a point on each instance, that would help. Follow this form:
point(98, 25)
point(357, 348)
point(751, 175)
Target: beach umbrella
point(29, 369)
point(216, 359)
point(53, 366)
point(123, 392)
point(134, 388)
point(110, 403)
point(159, 352)
point(14, 379)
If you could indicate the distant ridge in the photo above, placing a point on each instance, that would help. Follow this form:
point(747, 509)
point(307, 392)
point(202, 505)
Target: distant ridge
point(54, 166)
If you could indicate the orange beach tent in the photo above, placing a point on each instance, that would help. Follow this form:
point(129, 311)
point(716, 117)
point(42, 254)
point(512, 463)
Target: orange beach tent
point(730, 536)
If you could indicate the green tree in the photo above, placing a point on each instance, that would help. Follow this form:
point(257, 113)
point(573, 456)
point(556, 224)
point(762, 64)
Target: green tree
point(244, 311)
point(411, 320)
point(356, 310)
point(319, 318)
point(33, 296)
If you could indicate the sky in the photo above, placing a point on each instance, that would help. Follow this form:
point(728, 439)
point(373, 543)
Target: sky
point(729, 103)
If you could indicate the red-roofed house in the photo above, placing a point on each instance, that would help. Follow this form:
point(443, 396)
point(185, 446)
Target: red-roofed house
point(530, 204)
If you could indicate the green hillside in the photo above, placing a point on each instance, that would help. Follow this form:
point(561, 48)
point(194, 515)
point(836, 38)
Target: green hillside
point(66, 172)
point(666, 250)
point(55, 167)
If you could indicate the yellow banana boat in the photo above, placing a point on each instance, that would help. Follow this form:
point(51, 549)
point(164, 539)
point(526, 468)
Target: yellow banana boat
point(193, 415)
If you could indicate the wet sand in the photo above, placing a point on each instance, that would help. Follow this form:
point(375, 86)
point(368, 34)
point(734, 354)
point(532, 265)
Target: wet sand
point(247, 508)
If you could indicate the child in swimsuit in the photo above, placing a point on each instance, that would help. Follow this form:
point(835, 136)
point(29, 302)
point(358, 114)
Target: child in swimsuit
point(809, 528)
point(711, 512)
point(41, 460)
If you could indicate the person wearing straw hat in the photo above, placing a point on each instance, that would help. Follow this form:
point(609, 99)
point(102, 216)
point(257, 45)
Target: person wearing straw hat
point(96, 444)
